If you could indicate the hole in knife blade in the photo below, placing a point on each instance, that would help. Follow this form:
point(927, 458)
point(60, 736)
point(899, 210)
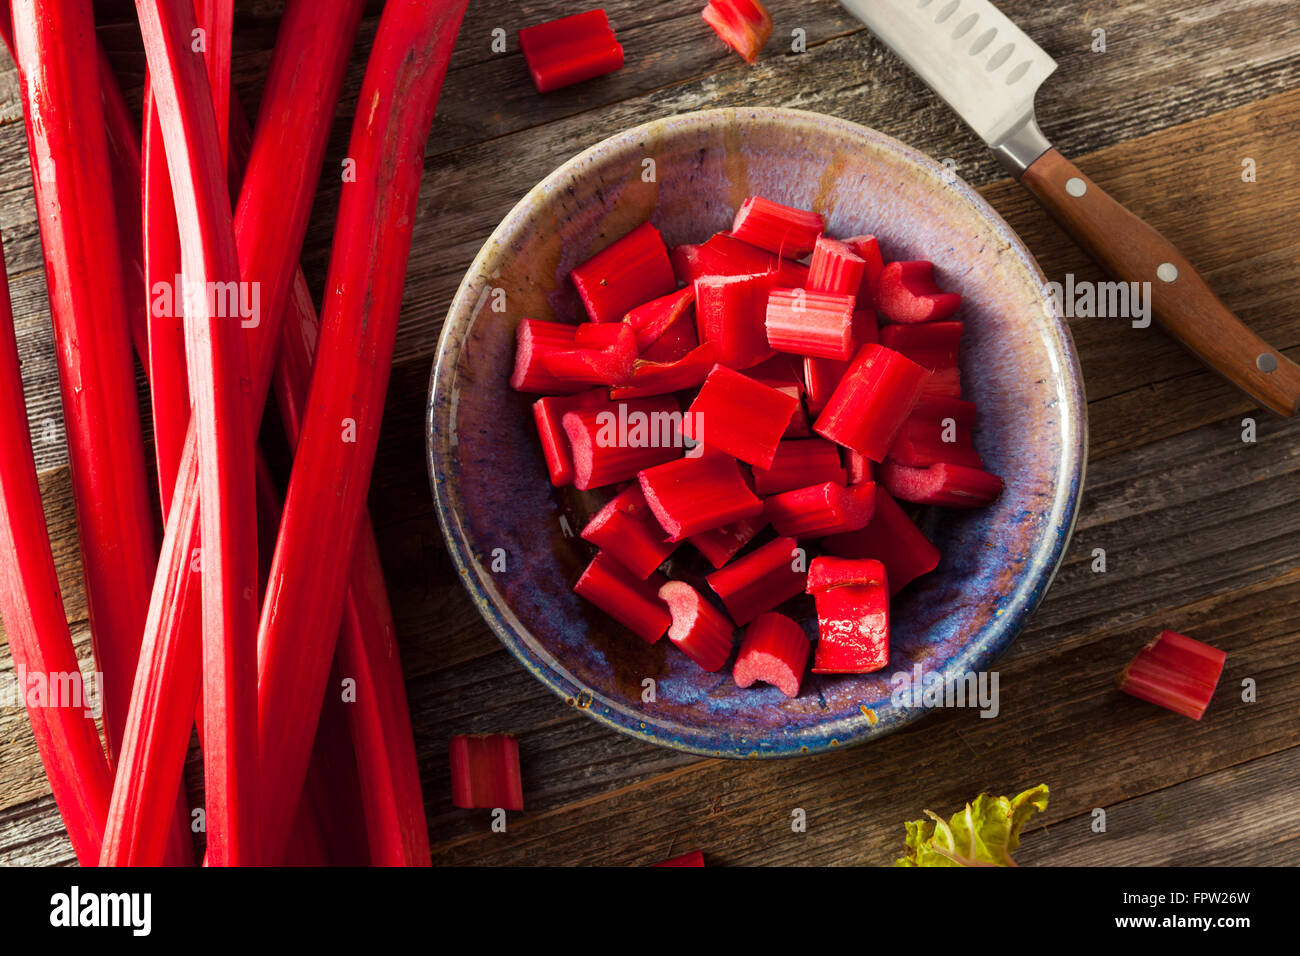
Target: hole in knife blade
point(1017, 73)
point(947, 11)
point(1001, 57)
point(964, 27)
point(983, 40)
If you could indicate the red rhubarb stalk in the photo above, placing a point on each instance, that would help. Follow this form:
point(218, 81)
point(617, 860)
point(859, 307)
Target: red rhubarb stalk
point(761, 580)
point(938, 430)
point(1174, 672)
point(694, 858)
point(737, 415)
point(932, 345)
point(297, 103)
point(485, 772)
point(725, 255)
point(951, 486)
point(37, 630)
point(776, 227)
point(906, 292)
point(852, 615)
point(625, 274)
point(867, 249)
point(599, 359)
point(306, 586)
point(821, 376)
point(828, 508)
point(774, 651)
point(663, 378)
point(562, 52)
point(696, 494)
point(627, 530)
point(872, 401)
point(819, 324)
point(535, 340)
point(720, 545)
point(699, 630)
point(548, 413)
point(729, 311)
point(892, 539)
point(744, 25)
point(612, 443)
point(798, 464)
point(654, 318)
point(630, 600)
point(835, 267)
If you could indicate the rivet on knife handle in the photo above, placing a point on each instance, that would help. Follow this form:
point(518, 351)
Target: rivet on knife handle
point(1131, 251)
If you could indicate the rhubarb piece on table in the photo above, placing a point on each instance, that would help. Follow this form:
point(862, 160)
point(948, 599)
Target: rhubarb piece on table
point(696, 494)
point(548, 413)
point(835, 267)
point(631, 601)
point(699, 629)
point(485, 772)
point(1175, 672)
point(906, 292)
point(534, 340)
point(825, 509)
point(798, 464)
point(742, 417)
point(694, 858)
point(934, 346)
point(744, 25)
point(774, 651)
point(663, 378)
point(950, 486)
point(720, 545)
point(725, 255)
point(852, 615)
point(890, 538)
point(872, 401)
point(778, 228)
point(937, 431)
point(867, 249)
point(817, 324)
point(627, 273)
point(562, 52)
point(613, 443)
point(761, 580)
point(626, 529)
point(651, 320)
point(729, 311)
point(605, 355)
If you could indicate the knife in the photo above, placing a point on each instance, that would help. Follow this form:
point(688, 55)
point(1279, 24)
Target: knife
point(988, 70)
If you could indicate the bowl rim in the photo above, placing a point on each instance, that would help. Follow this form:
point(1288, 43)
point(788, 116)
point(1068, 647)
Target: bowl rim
point(440, 421)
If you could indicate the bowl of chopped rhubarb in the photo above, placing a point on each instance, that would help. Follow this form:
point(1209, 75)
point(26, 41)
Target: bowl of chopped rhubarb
point(748, 428)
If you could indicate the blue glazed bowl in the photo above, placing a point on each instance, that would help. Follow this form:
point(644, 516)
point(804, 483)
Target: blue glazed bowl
point(514, 537)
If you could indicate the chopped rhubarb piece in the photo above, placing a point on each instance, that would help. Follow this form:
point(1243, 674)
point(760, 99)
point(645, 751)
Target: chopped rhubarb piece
point(729, 311)
point(740, 416)
point(761, 580)
point(632, 602)
point(562, 52)
point(819, 324)
point(937, 431)
point(699, 629)
point(661, 378)
point(951, 486)
point(692, 495)
point(1174, 672)
point(798, 464)
point(629, 272)
point(872, 401)
point(774, 651)
point(906, 292)
point(534, 340)
point(932, 345)
point(548, 413)
point(652, 319)
point(613, 443)
point(626, 529)
point(835, 267)
point(868, 250)
point(744, 25)
point(852, 616)
point(678, 342)
point(720, 545)
point(725, 255)
point(778, 228)
point(694, 858)
point(821, 376)
point(485, 772)
point(860, 468)
point(800, 424)
point(890, 538)
point(827, 508)
point(605, 356)
point(781, 372)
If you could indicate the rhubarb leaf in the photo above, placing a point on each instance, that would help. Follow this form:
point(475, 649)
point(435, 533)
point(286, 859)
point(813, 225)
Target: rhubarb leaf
point(982, 834)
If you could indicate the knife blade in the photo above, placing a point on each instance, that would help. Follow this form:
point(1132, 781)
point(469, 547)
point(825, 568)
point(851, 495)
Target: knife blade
point(989, 71)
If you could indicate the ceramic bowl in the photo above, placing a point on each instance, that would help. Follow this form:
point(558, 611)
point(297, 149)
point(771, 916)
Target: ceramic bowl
point(514, 538)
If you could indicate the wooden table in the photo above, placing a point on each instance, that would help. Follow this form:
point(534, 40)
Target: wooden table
point(1201, 530)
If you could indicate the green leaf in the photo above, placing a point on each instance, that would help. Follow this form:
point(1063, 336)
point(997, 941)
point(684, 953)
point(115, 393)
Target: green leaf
point(982, 834)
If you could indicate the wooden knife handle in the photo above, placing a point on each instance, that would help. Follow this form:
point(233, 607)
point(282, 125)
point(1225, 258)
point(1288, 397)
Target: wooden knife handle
point(1131, 251)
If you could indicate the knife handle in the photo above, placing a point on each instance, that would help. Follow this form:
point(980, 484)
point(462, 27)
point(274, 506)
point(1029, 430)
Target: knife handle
point(1131, 251)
